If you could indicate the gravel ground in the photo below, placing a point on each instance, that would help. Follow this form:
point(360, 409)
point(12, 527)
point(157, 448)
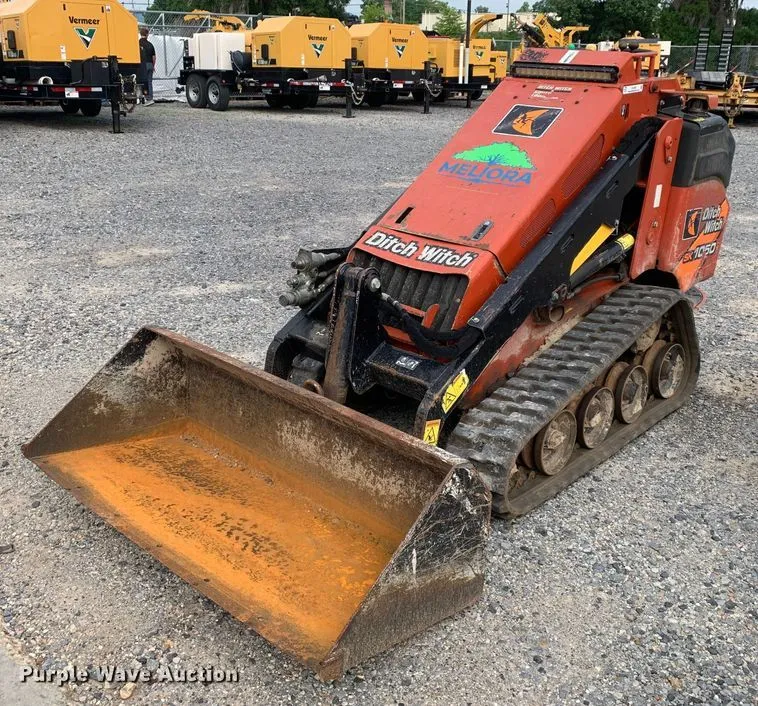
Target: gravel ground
point(636, 585)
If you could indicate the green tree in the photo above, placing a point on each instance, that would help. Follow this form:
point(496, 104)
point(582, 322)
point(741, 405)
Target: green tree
point(450, 23)
point(481, 9)
point(607, 19)
point(415, 8)
point(526, 7)
point(373, 11)
point(746, 30)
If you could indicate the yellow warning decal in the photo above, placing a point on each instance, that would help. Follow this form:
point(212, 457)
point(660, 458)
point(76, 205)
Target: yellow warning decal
point(454, 390)
point(432, 432)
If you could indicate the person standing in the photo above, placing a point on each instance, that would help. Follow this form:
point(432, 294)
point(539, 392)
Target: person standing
point(147, 58)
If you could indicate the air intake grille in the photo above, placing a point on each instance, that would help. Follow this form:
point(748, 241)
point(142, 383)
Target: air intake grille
point(584, 168)
point(544, 217)
point(418, 289)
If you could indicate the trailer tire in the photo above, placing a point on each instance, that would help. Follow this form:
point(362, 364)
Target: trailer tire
point(312, 100)
point(91, 108)
point(392, 97)
point(477, 94)
point(298, 101)
point(195, 90)
point(70, 106)
point(277, 101)
point(218, 94)
point(376, 100)
point(418, 95)
point(442, 97)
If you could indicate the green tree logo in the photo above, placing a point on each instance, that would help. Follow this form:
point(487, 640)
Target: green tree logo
point(505, 154)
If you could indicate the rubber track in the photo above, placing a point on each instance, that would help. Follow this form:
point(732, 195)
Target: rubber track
point(492, 434)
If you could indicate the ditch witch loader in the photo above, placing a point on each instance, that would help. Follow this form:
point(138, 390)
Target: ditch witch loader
point(516, 317)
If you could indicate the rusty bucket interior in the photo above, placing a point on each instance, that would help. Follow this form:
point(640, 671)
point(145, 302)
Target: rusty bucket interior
point(330, 534)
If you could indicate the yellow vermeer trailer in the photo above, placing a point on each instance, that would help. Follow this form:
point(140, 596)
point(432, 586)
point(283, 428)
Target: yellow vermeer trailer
point(73, 53)
point(288, 60)
point(393, 56)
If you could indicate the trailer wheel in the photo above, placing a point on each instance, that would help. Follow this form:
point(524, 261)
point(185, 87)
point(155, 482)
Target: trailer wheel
point(218, 94)
point(196, 91)
point(70, 106)
point(376, 100)
point(418, 95)
point(298, 101)
point(392, 97)
point(442, 97)
point(312, 100)
point(276, 101)
point(91, 108)
point(476, 95)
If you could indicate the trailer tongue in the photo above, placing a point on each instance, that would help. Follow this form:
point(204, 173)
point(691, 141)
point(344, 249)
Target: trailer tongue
point(332, 535)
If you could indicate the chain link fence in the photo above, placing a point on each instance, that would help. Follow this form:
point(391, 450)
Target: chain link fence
point(169, 32)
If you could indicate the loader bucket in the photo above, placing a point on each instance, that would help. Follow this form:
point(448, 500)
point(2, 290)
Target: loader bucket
point(332, 535)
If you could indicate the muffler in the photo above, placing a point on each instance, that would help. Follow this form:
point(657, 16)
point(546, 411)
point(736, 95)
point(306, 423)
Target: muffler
point(332, 535)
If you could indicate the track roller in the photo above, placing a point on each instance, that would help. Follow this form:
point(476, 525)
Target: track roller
point(594, 417)
point(668, 370)
point(631, 393)
point(554, 443)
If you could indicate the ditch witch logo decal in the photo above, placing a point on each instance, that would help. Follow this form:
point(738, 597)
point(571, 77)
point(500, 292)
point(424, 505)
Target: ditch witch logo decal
point(527, 121)
point(86, 35)
point(703, 221)
point(499, 163)
point(411, 249)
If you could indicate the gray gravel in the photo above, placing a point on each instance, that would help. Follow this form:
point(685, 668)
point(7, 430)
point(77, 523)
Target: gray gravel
point(636, 585)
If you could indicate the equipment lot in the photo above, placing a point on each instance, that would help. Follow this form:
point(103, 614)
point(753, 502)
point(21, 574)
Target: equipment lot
point(636, 584)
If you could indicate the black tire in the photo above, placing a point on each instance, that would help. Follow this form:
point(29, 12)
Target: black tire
point(277, 101)
point(195, 90)
point(376, 100)
point(418, 95)
point(442, 97)
point(477, 94)
point(298, 101)
point(218, 94)
point(91, 108)
point(70, 106)
point(392, 97)
point(312, 100)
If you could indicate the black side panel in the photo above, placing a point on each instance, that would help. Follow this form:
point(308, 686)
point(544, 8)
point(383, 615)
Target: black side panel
point(705, 152)
point(92, 72)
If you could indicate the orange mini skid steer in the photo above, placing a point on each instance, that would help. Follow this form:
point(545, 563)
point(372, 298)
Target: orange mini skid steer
point(518, 315)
